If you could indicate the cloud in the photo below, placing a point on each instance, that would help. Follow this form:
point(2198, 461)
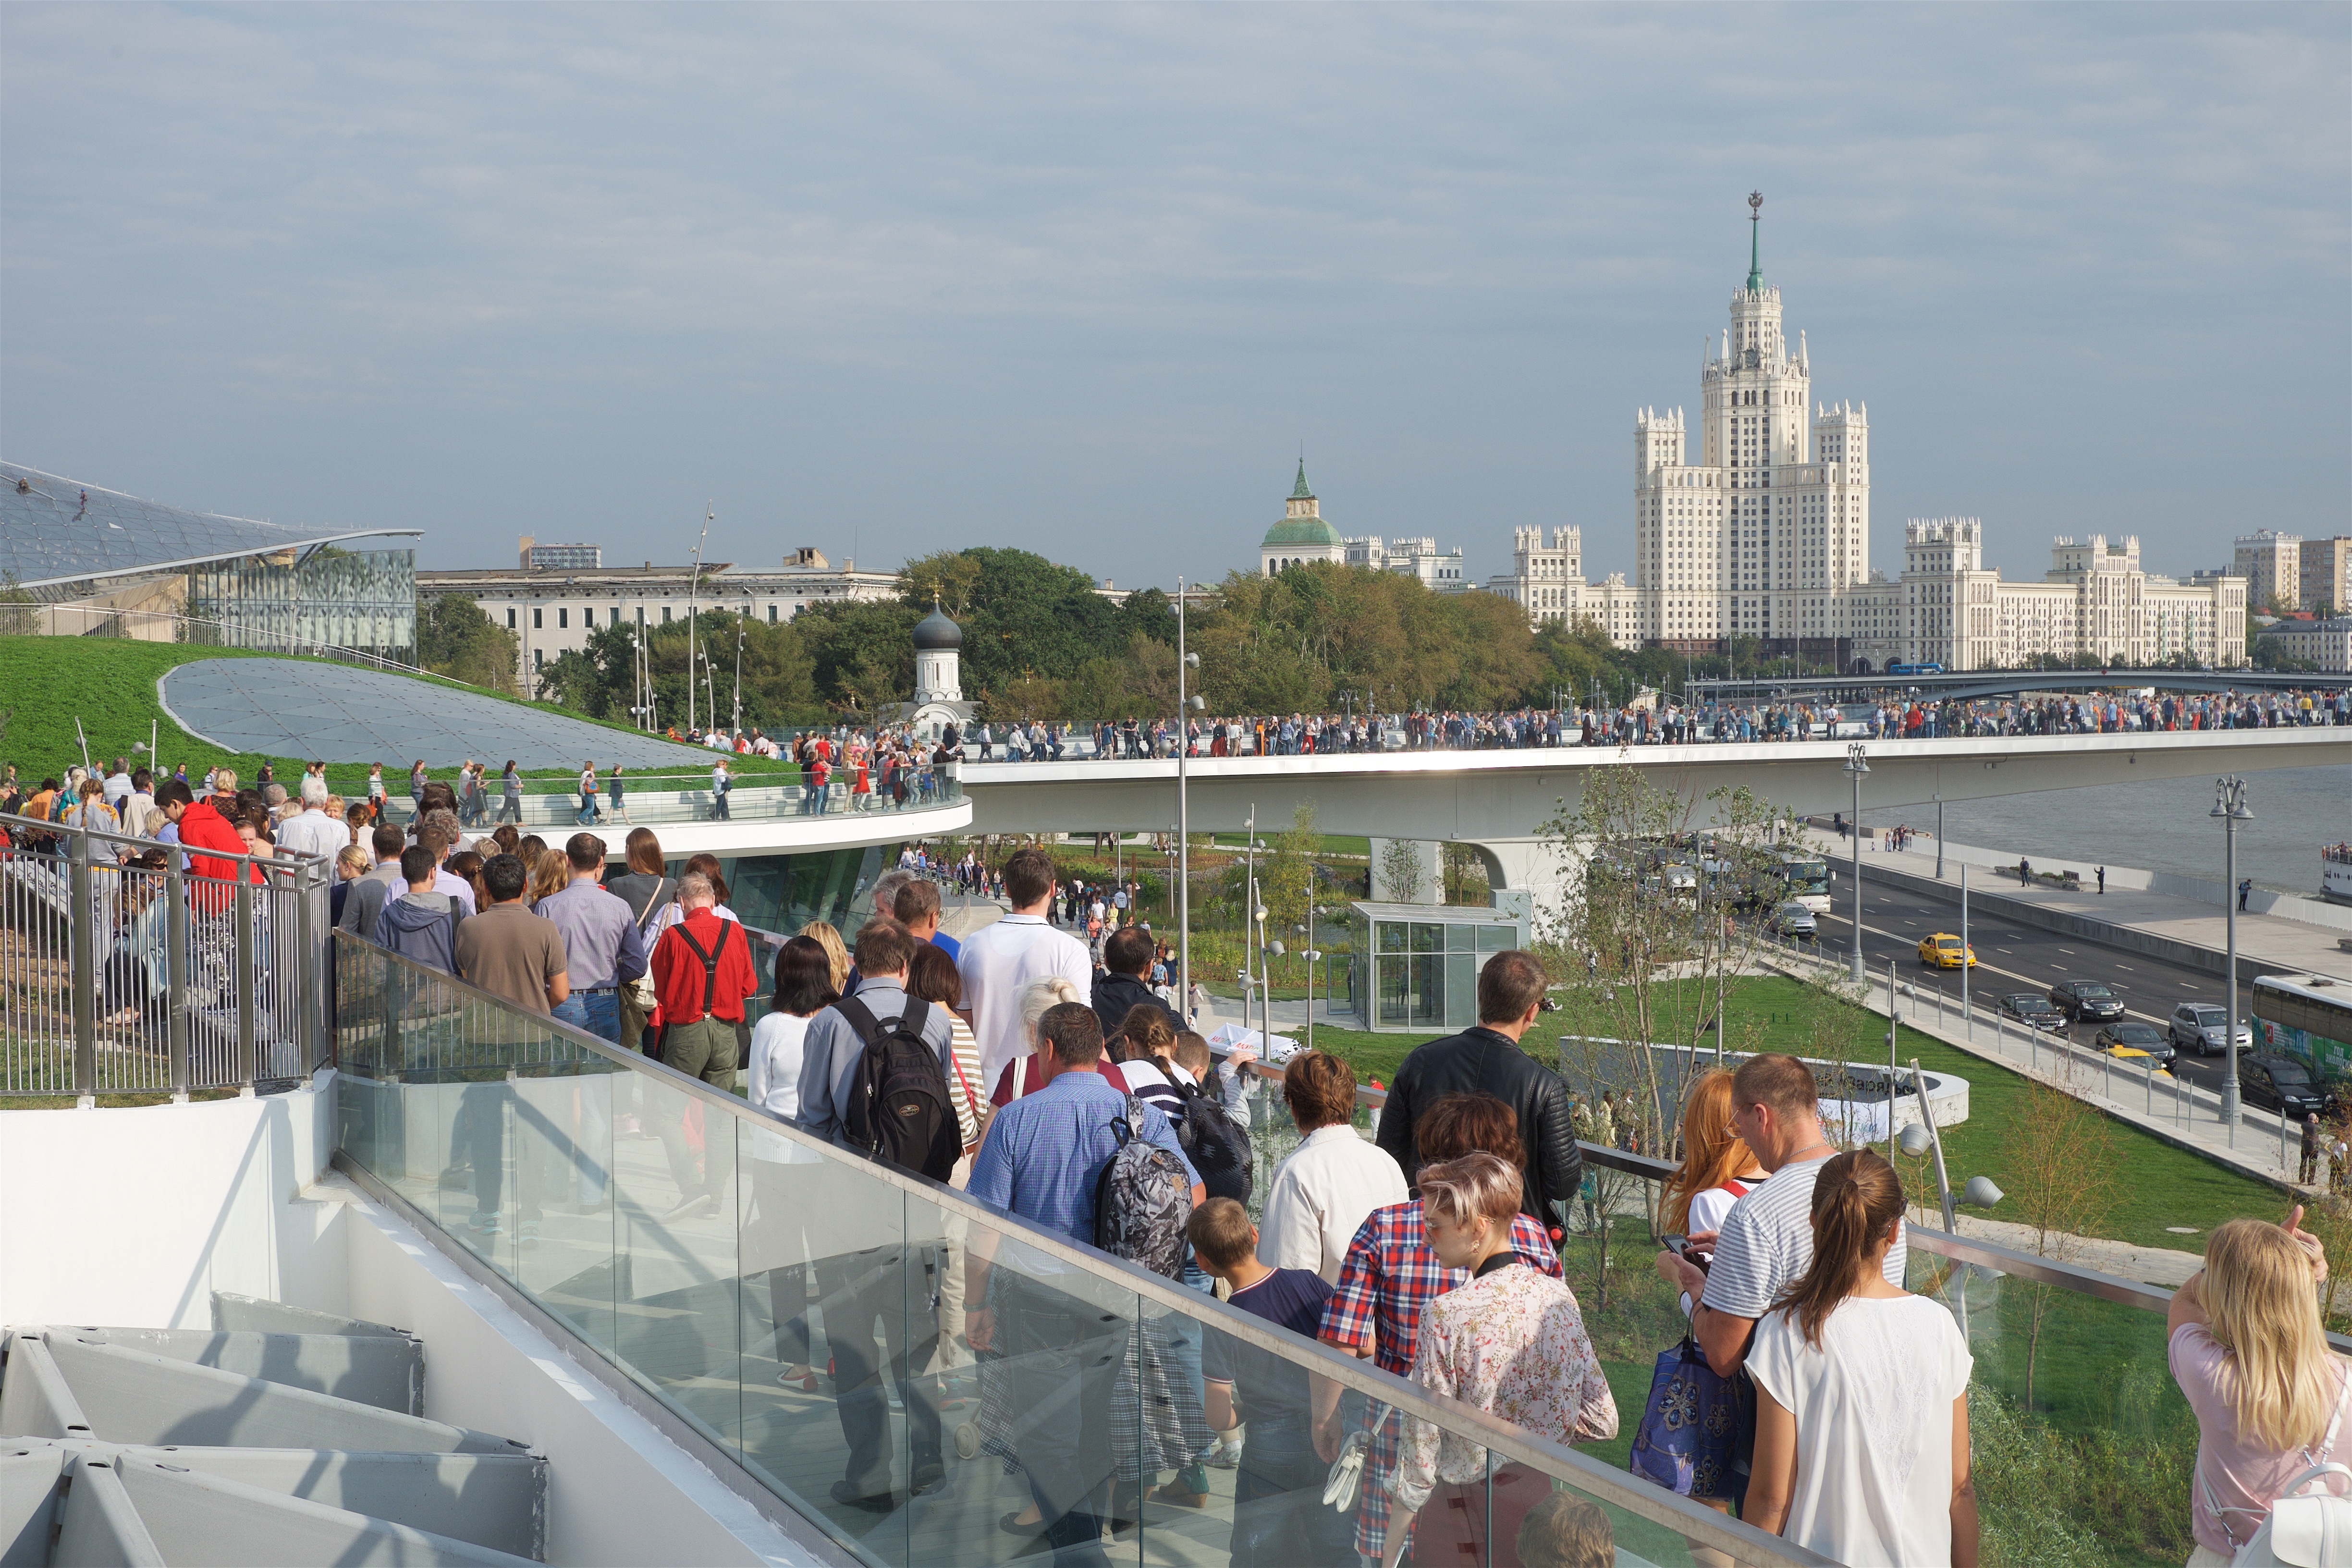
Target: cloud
point(1079, 279)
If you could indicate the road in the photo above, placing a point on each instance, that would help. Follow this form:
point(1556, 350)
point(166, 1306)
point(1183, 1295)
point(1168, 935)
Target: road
point(2015, 958)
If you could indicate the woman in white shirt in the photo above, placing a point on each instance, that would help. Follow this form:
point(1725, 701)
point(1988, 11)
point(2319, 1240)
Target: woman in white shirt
point(1322, 1191)
point(804, 989)
point(1861, 1408)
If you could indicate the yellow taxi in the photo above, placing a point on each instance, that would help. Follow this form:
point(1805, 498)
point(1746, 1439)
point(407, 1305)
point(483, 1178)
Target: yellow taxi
point(1944, 950)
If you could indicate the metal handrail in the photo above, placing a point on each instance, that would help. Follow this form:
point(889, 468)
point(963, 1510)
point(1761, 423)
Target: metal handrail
point(1701, 1524)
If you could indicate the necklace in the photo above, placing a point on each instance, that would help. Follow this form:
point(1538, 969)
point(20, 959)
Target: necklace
point(1816, 1143)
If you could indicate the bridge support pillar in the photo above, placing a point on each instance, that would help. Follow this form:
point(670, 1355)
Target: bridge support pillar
point(1532, 866)
point(1407, 871)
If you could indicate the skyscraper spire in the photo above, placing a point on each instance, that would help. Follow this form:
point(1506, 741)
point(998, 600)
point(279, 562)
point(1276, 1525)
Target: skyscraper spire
point(1755, 255)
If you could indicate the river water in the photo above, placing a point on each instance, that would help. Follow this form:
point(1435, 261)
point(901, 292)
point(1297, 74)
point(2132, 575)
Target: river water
point(2162, 825)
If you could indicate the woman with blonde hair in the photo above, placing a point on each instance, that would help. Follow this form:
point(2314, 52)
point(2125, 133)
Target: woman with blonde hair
point(1510, 1342)
point(836, 952)
point(2250, 1354)
point(1718, 1168)
point(549, 874)
point(1020, 1075)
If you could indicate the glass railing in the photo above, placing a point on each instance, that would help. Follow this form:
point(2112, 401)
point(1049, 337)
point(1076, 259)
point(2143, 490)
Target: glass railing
point(800, 1308)
point(122, 971)
point(2083, 1445)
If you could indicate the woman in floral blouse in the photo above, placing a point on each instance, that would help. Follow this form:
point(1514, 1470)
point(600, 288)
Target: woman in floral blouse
point(1511, 1342)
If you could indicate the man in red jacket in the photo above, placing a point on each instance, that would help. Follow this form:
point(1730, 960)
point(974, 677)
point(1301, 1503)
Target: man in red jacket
point(203, 827)
point(702, 972)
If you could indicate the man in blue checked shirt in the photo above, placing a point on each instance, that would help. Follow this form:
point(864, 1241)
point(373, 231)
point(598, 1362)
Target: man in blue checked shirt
point(1043, 1153)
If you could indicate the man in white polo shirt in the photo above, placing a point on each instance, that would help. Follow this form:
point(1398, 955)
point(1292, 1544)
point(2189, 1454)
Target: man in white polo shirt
point(1766, 1239)
point(1000, 960)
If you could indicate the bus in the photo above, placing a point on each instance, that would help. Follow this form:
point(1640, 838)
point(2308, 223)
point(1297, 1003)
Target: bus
point(2310, 1018)
point(1804, 880)
point(1931, 669)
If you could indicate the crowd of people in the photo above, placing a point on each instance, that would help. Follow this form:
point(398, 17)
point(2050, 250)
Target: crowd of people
point(1654, 718)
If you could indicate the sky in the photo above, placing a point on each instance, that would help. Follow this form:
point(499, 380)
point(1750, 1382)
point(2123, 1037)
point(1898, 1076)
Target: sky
point(1087, 280)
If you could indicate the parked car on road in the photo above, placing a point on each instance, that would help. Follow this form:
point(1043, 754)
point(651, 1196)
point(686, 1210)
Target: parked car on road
point(2034, 1011)
point(1945, 950)
point(2128, 1036)
point(2284, 1083)
point(2200, 1026)
point(2086, 1000)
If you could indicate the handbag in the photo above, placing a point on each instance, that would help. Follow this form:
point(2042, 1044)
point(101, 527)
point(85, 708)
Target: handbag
point(1345, 1484)
point(1697, 1433)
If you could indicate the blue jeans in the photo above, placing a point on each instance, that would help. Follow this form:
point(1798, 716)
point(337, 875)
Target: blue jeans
point(587, 808)
point(598, 1013)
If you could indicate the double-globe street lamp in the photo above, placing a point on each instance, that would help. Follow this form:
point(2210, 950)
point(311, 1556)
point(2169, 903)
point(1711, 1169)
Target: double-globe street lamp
point(2230, 806)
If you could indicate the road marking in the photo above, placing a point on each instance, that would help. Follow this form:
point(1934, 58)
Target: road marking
point(2067, 951)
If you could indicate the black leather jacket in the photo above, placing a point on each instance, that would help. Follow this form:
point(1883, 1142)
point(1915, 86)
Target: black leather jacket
point(1115, 993)
point(1481, 1059)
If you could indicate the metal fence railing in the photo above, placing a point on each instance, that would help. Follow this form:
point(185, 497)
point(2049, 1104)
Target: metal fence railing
point(122, 971)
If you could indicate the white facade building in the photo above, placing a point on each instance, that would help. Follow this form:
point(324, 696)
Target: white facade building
point(2272, 564)
point(2323, 645)
point(1756, 524)
point(553, 609)
point(1440, 570)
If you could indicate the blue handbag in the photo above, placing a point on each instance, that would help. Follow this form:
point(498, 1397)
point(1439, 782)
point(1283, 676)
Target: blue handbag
point(1697, 1435)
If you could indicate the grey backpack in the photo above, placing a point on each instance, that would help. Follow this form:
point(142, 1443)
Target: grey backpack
point(1143, 1199)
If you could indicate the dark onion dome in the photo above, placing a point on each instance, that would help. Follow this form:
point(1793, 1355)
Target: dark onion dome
point(935, 632)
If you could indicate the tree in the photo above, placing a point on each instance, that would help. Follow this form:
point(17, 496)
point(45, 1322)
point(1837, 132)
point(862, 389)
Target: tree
point(1287, 879)
point(2060, 1157)
point(946, 576)
point(1401, 872)
point(456, 639)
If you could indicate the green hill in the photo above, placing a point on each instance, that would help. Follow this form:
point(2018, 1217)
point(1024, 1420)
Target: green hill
point(108, 686)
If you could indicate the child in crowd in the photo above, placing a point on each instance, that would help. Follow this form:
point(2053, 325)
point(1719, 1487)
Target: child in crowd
point(1279, 1517)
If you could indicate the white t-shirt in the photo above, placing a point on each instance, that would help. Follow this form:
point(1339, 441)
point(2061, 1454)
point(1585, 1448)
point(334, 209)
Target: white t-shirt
point(1766, 1240)
point(1874, 1409)
point(776, 1043)
point(997, 963)
point(1710, 1208)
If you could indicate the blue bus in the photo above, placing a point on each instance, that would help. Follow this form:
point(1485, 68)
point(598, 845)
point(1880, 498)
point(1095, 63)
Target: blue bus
point(1915, 669)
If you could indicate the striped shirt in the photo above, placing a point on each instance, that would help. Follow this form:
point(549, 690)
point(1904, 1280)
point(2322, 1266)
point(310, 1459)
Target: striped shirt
point(1766, 1241)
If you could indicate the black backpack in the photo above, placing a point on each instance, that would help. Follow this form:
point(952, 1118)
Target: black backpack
point(898, 1110)
point(1216, 1145)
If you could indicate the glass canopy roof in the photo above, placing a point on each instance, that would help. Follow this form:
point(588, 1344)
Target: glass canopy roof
point(294, 708)
point(53, 530)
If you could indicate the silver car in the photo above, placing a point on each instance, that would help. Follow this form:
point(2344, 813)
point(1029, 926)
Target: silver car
point(2199, 1026)
point(1792, 920)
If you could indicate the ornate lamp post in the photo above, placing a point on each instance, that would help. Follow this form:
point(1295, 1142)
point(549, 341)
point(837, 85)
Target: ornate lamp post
point(1856, 768)
point(2230, 806)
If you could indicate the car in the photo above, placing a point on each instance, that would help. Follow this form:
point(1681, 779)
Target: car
point(2267, 1077)
point(2035, 1011)
point(1792, 920)
point(2127, 1035)
point(2199, 1026)
point(1945, 950)
point(2086, 1001)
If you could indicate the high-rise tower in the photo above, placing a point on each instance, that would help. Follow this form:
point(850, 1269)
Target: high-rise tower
point(1760, 534)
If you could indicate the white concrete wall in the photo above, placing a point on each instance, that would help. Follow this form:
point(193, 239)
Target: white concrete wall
point(134, 1216)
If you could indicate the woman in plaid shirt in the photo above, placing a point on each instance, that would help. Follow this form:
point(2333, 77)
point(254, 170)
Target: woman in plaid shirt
point(1391, 1275)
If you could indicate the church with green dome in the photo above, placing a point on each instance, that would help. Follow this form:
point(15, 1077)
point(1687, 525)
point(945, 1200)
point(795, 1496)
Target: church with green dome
point(1301, 535)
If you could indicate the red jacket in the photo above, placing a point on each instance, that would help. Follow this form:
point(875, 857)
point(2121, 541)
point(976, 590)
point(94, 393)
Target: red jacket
point(680, 979)
point(204, 827)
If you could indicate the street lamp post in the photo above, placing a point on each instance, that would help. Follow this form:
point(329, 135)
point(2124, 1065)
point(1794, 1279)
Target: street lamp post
point(693, 602)
point(2230, 806)
point(738, 725)
point(1855, 767)
point(1185, 703)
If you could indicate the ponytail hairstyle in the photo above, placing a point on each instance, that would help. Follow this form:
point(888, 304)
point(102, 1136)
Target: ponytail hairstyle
point(1855, 1199)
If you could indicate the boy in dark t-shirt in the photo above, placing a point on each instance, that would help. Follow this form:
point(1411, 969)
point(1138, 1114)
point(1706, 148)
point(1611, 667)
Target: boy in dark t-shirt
point(1278, 1513)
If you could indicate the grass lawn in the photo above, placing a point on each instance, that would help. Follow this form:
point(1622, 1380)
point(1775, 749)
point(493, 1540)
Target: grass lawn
point(2161, 1185)
point(109, 684)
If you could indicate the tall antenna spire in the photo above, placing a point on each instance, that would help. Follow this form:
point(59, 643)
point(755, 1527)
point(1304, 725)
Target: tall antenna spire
point(1755, 255)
